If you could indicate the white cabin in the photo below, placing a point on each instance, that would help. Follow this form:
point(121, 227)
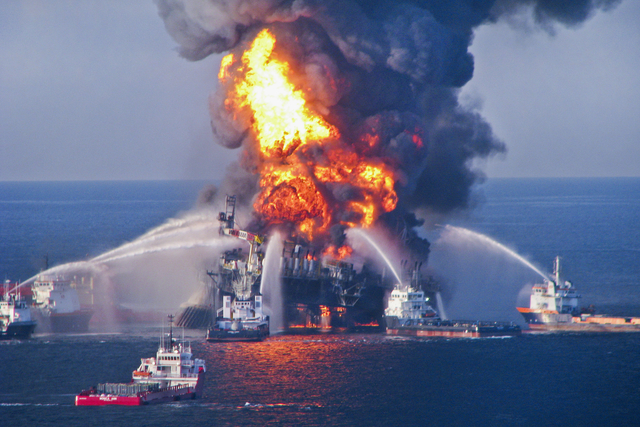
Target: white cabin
point(13, 309)
point(408, 303)
point(172, 366)
point(555, 295)
point(55, 294)
point(241, 314)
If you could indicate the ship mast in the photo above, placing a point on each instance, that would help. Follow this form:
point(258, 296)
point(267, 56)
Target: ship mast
point(170, 332)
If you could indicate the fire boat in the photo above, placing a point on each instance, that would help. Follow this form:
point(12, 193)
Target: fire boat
point(170, 376)
point(15, 315)
point(57, 305)
point(408, 313)
point(553, 306)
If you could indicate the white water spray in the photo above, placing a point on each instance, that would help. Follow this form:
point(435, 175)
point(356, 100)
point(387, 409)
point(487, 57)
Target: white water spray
point(440, 305)
point(488, 241)
point(70, 267)
point(196, 224)
point(360, 232)
point(182, 236)
point(212, 243)
point(271, 284)
point(96, 265)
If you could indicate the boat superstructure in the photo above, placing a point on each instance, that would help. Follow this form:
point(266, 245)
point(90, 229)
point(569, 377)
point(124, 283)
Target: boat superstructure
point(173, 374)
point(15, 314)
point(554, 306)
point(241, 317)
point(407, 303)
point(57, 306)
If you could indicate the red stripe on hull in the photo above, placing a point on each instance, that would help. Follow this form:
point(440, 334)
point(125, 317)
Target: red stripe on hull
point(175, 393)
point(98, 400)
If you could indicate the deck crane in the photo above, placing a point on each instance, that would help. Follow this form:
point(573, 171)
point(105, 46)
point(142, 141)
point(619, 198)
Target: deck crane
point(242, 318)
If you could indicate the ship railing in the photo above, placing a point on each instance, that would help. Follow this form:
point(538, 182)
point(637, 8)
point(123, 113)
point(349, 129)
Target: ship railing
point(174, 388)
point(119, 389)
point(189, 375)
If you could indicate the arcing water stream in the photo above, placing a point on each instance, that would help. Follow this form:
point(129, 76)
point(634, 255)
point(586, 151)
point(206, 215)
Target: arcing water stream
point(194, 230)
point(466, 233)
point(197, 222)
point(360, 232)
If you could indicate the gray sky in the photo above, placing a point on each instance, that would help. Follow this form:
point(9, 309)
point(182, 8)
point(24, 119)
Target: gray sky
point(93, 90)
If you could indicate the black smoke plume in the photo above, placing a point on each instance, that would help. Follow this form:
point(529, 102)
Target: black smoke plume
point(389, 68)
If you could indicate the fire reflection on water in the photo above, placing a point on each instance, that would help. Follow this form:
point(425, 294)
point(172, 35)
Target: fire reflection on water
point(300, 370)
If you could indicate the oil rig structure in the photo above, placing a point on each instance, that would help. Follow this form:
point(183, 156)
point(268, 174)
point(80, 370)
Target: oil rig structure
point(318, 293)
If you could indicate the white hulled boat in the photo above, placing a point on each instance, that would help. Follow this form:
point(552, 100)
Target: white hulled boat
point(57, 306)
point(408, 313)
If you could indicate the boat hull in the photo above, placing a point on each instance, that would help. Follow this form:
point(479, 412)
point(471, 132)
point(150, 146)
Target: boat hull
point(18, 330)
point(76, 321)
point(547, 321)
point(452, 329)
point(583, 327)
point(223, 335)
point(451, 332)
point(171, 394)
point(175, 393)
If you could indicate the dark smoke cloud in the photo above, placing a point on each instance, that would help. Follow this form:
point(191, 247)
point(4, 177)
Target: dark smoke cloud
point(546, 12)
point(380, 67)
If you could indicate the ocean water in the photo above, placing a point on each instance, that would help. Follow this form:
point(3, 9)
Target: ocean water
point(60, 222)
point(352, 379)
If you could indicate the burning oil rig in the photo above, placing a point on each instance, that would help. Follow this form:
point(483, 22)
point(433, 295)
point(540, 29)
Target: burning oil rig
point(317, 292)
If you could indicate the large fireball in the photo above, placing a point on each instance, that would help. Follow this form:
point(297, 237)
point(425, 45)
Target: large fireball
point(305, 165)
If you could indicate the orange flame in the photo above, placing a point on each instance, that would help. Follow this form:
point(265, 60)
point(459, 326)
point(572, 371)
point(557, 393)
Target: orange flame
point(338, 253)
point(224, 66)
point(295, 180)
point(283, 122)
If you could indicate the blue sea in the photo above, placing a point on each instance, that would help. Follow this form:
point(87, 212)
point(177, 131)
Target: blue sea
point(353, 379)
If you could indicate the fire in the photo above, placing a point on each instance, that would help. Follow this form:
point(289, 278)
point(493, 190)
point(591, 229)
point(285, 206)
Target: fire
point(224, 66)
point(325, 311)
point(338, 253)
point(283, 122)
point(302, 158)
point(375, 181)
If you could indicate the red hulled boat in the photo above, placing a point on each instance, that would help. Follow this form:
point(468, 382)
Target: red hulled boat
point(170, 376)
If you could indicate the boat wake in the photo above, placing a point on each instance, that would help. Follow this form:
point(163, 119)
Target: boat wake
point(249, 405)
point(28, 404)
